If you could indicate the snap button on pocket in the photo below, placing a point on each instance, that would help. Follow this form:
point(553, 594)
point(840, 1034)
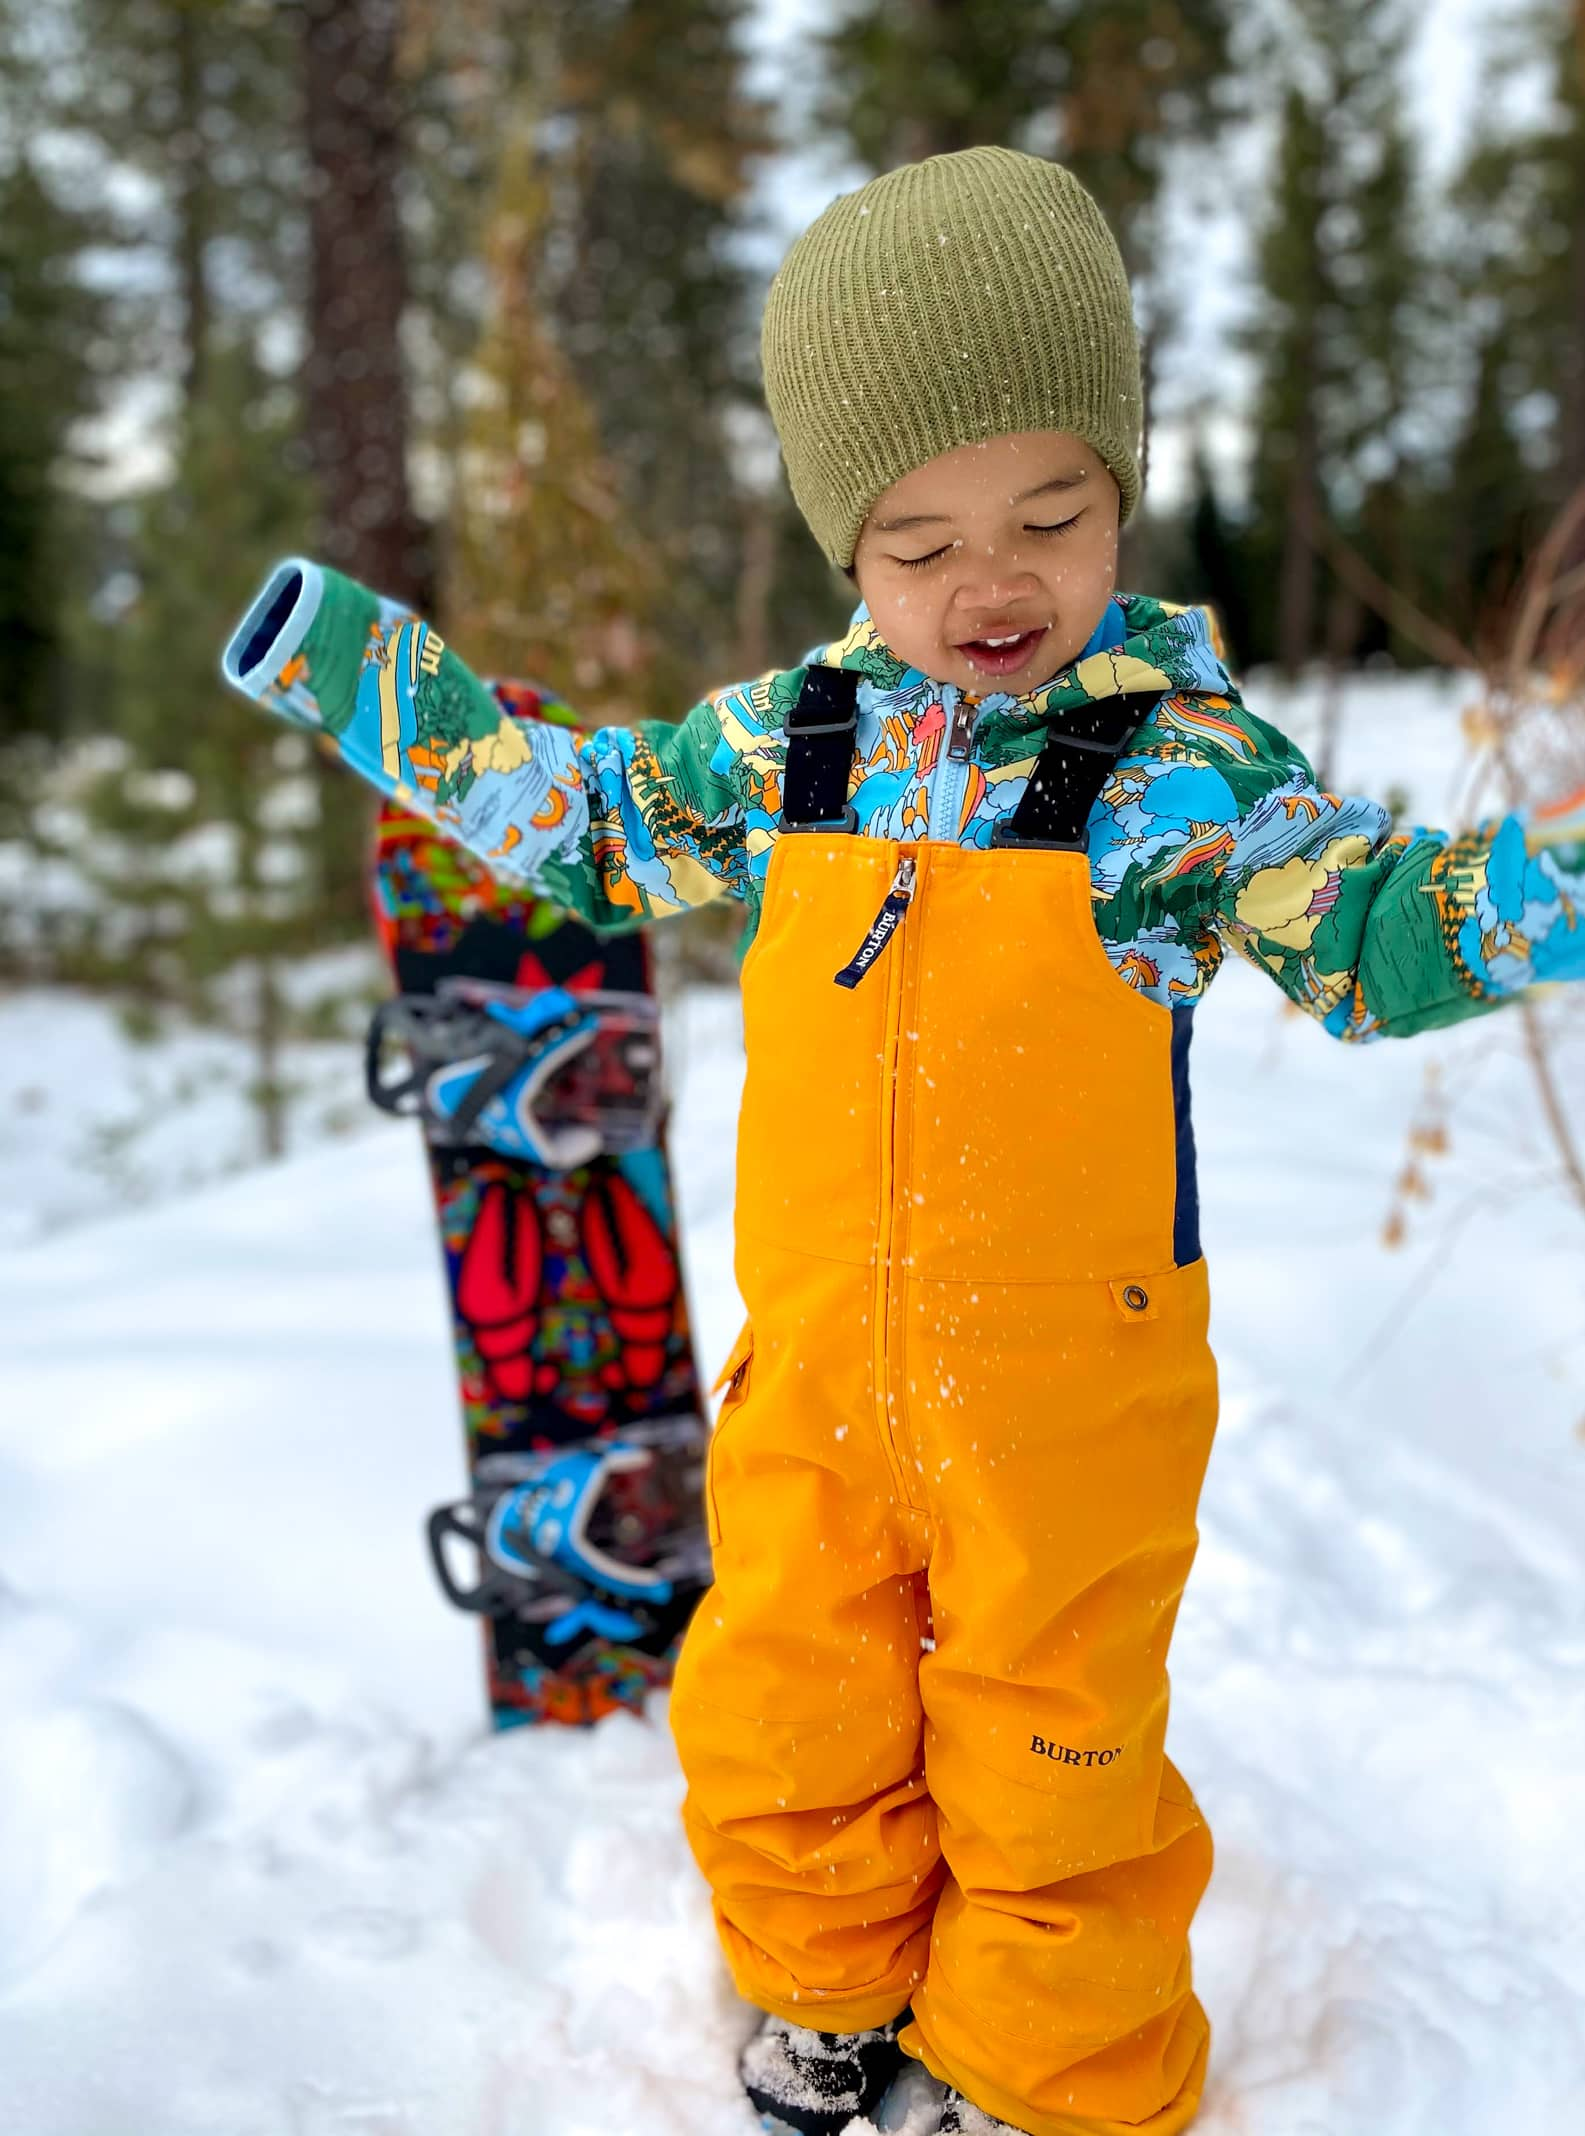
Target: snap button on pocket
point(1134, 1300)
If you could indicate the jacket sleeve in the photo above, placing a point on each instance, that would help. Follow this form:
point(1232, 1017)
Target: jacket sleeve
point(617, 824)
point(1378, 933)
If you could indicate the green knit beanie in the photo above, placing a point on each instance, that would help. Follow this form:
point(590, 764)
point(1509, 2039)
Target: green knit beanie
point(947, 302)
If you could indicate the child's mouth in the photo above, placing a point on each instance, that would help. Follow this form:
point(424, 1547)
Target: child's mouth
point(1002, 655)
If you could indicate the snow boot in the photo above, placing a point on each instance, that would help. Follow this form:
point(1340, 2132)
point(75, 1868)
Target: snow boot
point(959, 2118)
point(817, 2082)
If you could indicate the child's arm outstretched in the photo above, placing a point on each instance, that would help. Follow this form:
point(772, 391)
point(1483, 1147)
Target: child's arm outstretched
point(1378, 933)
point(616, 825)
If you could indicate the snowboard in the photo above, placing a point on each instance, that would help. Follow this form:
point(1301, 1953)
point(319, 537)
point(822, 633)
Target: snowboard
point(574, 1355)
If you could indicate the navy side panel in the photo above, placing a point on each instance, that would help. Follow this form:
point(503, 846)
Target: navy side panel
point(1186, 1211)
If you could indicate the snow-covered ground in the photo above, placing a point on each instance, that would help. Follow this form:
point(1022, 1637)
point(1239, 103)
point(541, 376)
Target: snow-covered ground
point(94, 1120)
point(261, 1874)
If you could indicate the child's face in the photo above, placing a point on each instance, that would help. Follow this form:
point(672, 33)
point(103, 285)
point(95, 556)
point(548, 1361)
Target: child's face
point(1015, 538)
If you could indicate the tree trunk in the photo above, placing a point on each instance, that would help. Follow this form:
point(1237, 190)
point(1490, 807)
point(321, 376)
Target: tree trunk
point(756, 577)
point(1385, 539)
point(1134, 549)
point(269, 1086)
point(261, 963)
point(928, 132)
point(1296, 585)
point(192, 205)
point(355, 387)
point(1572, 472)
point(1344, 611)
point(1149, 367)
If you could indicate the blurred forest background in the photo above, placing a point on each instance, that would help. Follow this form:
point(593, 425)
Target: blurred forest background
point(463, 295)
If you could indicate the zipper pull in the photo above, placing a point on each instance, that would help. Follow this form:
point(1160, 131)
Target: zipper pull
point(885, 925)
point(960, 735)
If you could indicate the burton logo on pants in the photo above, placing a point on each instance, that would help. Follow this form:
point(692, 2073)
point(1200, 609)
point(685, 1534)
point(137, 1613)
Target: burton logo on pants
point(1063, 1754)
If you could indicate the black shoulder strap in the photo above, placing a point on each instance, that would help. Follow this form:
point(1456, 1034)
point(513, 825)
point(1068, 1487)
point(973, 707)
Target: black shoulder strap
point(1073, 767)
point(820, 752)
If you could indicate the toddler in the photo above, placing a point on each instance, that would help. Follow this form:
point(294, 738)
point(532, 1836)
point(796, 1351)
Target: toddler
point(994, 843)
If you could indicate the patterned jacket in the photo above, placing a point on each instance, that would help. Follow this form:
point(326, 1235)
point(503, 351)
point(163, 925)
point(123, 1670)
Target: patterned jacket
point(1211, 834)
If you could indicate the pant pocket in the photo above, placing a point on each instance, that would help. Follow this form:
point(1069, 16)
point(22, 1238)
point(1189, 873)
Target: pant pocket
point(734, 1377)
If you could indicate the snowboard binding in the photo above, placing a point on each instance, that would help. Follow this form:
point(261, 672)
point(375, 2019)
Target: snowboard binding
point(549, 1077)
point(571, 1552)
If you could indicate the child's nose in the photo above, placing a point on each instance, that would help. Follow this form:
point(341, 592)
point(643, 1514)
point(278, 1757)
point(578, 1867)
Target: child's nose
point(987, 585)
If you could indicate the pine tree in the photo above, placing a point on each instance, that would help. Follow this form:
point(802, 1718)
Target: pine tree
point(203, 101)
point(203, 848)
point(1216, 567)
point(1108, 90)
point(1103, 88)
point(1383, 282)
point(355, 425)
point(355, 395)
point(1487, 514)
point(637, 278)
point(930, 77)
point(1339, 338)
point(47, 316)
point(1519, 272)
point(198, 98)
point(1297, 360)
point(549, 579)
point(648, 300)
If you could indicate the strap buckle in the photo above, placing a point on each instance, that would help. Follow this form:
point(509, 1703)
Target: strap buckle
point(1071, 769)
point(827, 703)
point(820, 729)
point(847, 822)
point(1004, 834)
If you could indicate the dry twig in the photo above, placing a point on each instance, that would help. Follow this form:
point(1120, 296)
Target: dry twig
point(1537, 675)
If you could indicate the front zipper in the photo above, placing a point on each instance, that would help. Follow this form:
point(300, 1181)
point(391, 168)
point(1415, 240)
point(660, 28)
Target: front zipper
point(961, 733)
point(949, 780)
point(895, 1064)
point(884, 925)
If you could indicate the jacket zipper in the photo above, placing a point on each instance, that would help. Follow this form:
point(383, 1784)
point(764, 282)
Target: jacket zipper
point(962, 732)
point(884, 925)
point(951, 772)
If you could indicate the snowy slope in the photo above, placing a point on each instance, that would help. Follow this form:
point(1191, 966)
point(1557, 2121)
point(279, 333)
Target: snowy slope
point(93, 1120)
point(260, 1874)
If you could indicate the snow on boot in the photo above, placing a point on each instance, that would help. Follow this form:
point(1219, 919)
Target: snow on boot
point(959, 2118)
point(817, 2082)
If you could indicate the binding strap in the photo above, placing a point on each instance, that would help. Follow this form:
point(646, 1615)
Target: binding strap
point(1073, 767)
point(820, 752)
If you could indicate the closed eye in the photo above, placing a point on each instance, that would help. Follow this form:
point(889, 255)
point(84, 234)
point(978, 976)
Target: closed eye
point(919, 563)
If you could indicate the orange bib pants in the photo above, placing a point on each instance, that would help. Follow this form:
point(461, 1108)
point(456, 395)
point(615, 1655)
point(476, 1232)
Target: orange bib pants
point(952, 1496)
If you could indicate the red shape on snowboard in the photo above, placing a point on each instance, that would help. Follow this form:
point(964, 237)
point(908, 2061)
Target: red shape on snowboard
point(498, 1288)
point(631, 1260)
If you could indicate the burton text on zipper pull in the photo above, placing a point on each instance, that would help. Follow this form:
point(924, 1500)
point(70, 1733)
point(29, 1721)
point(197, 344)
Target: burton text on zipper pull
point(884, 926)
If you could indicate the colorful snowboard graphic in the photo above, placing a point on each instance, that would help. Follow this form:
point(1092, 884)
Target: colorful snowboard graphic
point(573, 1346)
